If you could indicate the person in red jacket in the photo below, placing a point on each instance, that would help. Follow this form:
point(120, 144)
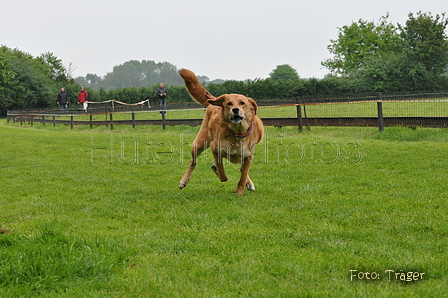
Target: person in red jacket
point(82, 98)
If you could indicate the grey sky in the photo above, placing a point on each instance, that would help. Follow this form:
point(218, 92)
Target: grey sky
point(227, 39)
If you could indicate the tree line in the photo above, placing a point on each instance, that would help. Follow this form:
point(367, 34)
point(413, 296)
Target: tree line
point(30, 82)
point(386, 57)
point(367, 57)
point(134, 73)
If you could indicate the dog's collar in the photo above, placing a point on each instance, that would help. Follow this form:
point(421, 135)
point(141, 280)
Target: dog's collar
point(248, 132)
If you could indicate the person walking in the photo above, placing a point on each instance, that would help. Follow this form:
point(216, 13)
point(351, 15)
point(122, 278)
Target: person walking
point(82, 98)
point(162, 93)
point(63, 99)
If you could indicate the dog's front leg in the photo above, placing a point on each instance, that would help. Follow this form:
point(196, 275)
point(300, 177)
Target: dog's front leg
point(196, 150)
point(245, 167)
point(249, 184)
point(218, 167)
point(186, 177)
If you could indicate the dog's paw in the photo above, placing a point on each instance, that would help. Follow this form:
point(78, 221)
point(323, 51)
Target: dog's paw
point(239, 192)
point(222, 178)
point(182, 184)
point(250, 186)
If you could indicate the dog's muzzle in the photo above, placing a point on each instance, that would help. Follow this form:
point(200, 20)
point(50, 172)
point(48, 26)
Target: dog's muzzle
point(235, 117)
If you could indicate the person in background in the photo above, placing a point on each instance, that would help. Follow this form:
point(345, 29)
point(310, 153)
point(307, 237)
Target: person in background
point(82, 98)
point(161, 95)
point(63, 99)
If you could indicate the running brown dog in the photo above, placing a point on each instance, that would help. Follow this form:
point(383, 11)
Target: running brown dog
point(231, 128)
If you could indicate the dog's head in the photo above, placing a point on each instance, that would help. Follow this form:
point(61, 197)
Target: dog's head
point(236, 107)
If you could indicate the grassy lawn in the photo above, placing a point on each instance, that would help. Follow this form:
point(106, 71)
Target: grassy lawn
point(95, 213)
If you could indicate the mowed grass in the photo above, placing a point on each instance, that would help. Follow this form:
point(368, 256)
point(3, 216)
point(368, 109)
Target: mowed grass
point(97, 213)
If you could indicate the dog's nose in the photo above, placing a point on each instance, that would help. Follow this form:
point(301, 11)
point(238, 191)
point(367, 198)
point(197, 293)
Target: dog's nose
point(235, 110)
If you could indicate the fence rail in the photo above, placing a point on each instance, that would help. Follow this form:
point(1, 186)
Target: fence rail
point(381, 110)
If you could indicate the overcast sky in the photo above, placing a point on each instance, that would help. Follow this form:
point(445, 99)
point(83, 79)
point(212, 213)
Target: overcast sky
point(221, 39)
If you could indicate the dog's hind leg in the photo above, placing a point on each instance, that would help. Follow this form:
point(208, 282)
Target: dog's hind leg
point(245, 180)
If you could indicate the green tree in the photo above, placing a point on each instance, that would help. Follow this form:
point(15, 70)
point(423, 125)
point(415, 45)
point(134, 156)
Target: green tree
point(203, 79)
point(134, 73)
point(168, 74)
point(28, 82)
point(30, 88)
point(360, 41)
point(385, 74)
point(425, 46)
point(92, 80)
point(6, 80)
point(284, 72)
point(382, 57)
point(52, 66)
point(263, 88)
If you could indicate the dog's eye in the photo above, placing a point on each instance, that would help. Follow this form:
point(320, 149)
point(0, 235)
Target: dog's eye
point(229, 104)
point(242, 103)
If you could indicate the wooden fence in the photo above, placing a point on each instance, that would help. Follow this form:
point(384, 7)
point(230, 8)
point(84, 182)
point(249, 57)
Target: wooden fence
point(430, 110)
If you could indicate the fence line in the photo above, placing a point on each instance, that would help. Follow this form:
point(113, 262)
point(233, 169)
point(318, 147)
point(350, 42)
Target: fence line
point(428, 110)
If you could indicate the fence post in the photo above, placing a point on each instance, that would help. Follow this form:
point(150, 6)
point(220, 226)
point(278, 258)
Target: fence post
point(133, 120)
point(111, 122)
point(54, 120)
point(307, 124)
point(380, 111)
point(91, 121)
point(163, 119)
point(299, 115)
point(71, 121)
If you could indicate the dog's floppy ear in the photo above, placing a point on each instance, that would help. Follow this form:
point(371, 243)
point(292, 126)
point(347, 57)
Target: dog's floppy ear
point(254, 104)
point(217, 101)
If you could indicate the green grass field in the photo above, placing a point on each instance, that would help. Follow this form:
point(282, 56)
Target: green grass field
point(95, 213)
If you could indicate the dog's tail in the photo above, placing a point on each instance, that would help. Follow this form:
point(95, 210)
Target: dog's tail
point(196, 90)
